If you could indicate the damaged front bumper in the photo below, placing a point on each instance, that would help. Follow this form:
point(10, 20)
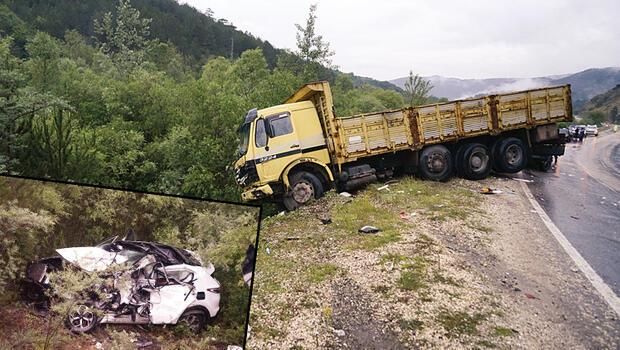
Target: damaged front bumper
point(256, 193)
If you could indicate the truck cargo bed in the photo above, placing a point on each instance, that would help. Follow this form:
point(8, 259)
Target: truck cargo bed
point(411, 128)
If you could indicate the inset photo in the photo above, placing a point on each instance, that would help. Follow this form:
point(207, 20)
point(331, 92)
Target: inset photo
point(97, 268)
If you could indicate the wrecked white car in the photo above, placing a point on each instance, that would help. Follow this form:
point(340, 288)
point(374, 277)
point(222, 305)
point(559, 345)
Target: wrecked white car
point(142, 283)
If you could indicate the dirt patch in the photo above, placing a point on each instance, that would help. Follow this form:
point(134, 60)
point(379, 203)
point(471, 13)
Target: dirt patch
point(450, 268)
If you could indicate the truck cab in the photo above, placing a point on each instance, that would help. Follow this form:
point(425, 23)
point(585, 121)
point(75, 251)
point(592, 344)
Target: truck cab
point(278, 143)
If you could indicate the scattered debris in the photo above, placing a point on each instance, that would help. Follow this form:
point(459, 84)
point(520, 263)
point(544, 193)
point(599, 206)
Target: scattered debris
point(438, 205)
point(574, 217)
point(368, 229)
point(339, 332)
point(407, 216)
point(292, 238)
point(98, 346)
point(522, 180)
point(384, 187)
point(574, 269)
point(268, 251)
point(144, 343)
point(530, 296)
point(488, 190)
point(326, 221)
point(345, 194)
point(234, 347)
point(281, 213)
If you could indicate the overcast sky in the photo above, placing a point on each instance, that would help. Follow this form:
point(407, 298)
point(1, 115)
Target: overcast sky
point(465, 39)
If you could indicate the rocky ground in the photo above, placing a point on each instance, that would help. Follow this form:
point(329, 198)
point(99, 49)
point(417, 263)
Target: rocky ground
point(450, 268)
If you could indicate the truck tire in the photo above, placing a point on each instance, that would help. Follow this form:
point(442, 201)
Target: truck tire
point(509, 155)
point(473, 161)
point(305, 187)
point(436, 163)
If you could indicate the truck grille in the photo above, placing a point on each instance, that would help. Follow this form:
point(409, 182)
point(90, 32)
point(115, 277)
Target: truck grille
point(246, 174)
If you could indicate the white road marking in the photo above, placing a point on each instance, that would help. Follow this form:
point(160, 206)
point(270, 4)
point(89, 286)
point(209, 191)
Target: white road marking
point(606, 292)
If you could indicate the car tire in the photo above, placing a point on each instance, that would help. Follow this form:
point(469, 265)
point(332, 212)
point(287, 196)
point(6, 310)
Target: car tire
point(194, 319)
point(305, 187)
point(473, 161)
point(436, 163)
point(81, 319)
point(509, 155)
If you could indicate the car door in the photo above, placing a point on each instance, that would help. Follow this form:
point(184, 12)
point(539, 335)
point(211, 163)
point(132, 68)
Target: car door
point(276, 145)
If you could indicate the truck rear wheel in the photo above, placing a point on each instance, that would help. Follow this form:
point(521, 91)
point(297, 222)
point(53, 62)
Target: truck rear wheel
point(436, 163)
point(509, 155)
point(473, 161)
point(305, 187)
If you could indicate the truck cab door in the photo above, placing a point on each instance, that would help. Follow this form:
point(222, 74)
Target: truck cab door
point(276, 145)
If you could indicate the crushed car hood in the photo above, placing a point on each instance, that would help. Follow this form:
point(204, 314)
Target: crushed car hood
point(91, 258)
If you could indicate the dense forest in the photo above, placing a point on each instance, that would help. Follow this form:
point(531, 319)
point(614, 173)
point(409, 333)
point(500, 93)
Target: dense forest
point(38, 217)
point(123, 107)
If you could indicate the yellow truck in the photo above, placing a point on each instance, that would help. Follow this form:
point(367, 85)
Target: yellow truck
point(296, 151)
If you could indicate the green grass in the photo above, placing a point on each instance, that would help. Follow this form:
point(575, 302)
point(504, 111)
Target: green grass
point(438, 201)
point(350, 217)
point(321, 272)
point(502, 331)
point(460, 322)
point(410, 324)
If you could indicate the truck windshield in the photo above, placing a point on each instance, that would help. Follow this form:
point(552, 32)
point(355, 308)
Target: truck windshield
point(244, 138)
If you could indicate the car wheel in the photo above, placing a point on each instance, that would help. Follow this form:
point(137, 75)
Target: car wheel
point(473, 161)
point(436, 163)
point(510, 155)
point(305, 187)
point(81, 318)
point(195, 320)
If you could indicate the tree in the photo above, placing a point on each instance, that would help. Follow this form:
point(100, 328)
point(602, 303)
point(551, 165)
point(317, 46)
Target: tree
point(417, 89)
point(312, 49)
point(123, 37)
point(44, 52)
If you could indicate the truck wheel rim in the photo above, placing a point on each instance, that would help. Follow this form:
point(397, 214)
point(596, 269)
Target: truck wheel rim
point(303, 191)
point(82, 318)
point(478, 161)
point(513, 154)
point(436, 162)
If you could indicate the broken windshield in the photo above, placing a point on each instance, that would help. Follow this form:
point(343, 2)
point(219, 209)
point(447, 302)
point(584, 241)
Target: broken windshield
point(244, 136)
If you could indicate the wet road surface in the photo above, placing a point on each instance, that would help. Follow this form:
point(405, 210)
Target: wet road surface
point(582, 197)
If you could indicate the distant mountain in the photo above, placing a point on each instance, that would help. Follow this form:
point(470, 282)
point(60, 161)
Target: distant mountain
point(585, 84)
point(604, 102)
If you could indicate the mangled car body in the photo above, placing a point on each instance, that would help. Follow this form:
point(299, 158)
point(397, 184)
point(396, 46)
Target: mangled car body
point(141, 283)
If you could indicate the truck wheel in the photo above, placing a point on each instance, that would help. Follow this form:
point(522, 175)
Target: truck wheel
point(436, 163)
point(509, 155)
point(305, 187)
point(473, 161)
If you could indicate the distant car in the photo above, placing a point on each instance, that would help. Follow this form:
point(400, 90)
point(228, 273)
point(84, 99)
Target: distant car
point(152, 283)
point(592, 130)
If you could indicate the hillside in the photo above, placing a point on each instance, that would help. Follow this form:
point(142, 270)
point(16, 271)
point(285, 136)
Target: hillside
point(605, 103)
point(198, 36)
point(585, 84)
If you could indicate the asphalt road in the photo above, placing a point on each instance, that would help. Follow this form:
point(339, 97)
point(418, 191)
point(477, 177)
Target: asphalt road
point(582, 197)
